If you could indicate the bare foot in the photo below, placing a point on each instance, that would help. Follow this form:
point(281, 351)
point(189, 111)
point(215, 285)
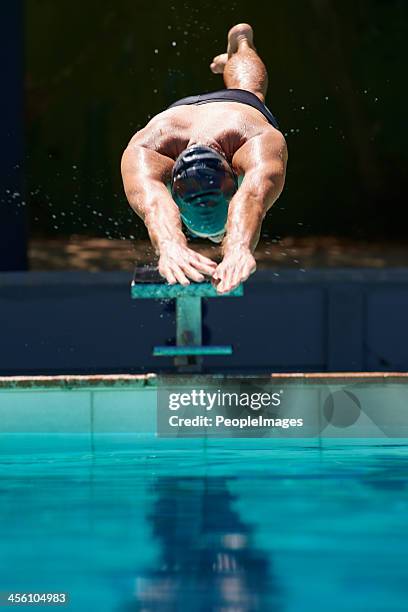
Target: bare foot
point(218, 63)
point(238, 34)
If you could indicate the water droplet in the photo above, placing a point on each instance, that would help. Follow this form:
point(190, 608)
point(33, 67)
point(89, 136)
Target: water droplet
point(173, 44)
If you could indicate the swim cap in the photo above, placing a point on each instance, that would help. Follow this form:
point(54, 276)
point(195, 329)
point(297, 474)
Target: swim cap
point(202, 185)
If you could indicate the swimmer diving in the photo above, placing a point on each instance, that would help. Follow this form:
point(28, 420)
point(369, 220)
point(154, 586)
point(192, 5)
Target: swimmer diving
point(210, 166)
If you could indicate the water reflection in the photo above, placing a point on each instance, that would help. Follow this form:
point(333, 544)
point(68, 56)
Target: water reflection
point(208, 558)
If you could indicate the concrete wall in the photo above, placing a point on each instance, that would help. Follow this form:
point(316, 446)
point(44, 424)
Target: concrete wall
point(320, 320)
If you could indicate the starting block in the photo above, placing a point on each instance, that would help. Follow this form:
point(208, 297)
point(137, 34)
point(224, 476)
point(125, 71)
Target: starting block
point(188, 350)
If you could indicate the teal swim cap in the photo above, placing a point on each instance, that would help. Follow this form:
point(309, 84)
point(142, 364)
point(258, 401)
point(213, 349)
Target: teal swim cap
point(202, 186)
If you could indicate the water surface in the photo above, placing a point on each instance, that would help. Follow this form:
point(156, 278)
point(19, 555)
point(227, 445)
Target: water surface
point(137, 523)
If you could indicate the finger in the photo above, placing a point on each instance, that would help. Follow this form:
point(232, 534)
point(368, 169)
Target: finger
point(236, 278)
point(200, 267)
point(245, 274)
point(252, 267)
point(241, 277)
point(171, 279)
point(205, 260)
point(222, 286)
point(215, 279)
point(226, 280)
point(192, 273)
point(204, 269)
point(217, 275)
point(180, 276)
point(204, 264)
point(166, 273)
point(248, 270)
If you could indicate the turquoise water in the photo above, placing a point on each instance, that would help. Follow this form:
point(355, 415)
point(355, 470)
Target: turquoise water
point(127, 523)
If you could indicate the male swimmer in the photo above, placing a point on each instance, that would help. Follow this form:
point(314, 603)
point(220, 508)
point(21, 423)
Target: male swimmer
point(213, 163)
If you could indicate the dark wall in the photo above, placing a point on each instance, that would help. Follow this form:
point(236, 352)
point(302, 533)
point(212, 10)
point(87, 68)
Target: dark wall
point(343, 320)
point(12, 199)
point(97, 70)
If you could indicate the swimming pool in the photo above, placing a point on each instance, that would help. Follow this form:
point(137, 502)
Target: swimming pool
point(126, 522)
point(147, 524)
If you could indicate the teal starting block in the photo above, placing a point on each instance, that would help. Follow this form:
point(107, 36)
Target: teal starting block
point(188, 351)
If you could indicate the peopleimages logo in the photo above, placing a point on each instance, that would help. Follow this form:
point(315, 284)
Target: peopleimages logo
point(217, 399)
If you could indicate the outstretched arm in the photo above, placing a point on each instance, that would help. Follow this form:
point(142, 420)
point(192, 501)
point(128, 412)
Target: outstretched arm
point(144, 174)
point(263, 162)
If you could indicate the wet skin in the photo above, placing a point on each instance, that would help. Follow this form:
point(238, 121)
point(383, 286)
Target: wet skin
point(254, 149)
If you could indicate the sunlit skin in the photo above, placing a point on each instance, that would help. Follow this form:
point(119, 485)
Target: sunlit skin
point(252, 146)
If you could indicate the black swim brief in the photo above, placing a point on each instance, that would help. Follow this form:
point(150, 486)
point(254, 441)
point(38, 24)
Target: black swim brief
point(231, 95)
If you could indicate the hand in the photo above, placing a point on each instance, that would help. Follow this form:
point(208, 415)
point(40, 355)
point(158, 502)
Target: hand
point(178, 264)
point(234, 269)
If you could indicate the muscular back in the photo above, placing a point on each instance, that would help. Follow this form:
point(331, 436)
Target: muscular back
point(226, 126)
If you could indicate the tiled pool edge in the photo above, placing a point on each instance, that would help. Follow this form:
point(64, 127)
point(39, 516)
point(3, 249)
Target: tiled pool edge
point(127, 403)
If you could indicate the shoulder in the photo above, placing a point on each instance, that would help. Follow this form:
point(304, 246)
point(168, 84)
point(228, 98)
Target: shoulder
point(169, 122)
point(270, 142)
point(164, 133)
point(268, 148)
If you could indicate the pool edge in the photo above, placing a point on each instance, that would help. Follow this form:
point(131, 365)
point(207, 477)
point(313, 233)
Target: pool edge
point(84, 381)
